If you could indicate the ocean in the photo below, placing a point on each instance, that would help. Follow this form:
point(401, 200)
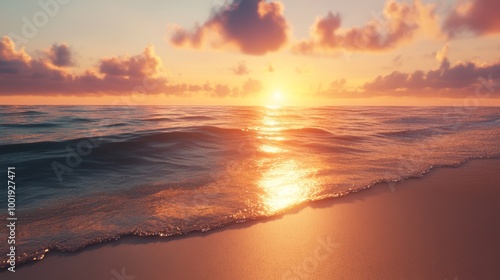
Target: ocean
point(92, 174)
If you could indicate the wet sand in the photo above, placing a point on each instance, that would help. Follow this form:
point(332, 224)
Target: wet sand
point(445, 225)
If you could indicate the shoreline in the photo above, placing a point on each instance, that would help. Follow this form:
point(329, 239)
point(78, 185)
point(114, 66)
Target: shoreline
point(314, 240)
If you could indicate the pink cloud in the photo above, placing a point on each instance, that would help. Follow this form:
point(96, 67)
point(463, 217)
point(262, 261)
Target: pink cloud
point(143, 65)
point(254, 27)
point(12, 61)
point(448, 80)
point(17, 65)
point(477, 16)
point(119, 75)
point(399, 23)
point(23, 74)
point(252, 87)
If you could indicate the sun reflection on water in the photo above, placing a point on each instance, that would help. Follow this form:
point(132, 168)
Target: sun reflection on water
point(285, 179)
point(286, 184)
point(270, 149)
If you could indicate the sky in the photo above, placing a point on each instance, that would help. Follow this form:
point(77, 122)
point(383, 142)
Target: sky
point(250, 52)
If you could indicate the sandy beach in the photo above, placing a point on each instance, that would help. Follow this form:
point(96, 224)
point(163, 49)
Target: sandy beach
point(442, 226)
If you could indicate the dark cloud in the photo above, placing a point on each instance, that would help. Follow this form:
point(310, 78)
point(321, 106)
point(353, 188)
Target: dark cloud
point(254, 27)
point(458, 80)
point(477, 16)
point(400, 22)
point(60, 55)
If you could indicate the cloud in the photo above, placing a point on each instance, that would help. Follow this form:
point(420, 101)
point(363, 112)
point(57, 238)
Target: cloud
point(119, 75)
point(443, 53)
point(251, 87)
point(477, 16)
point(12, 61)
point(399, 22)
point(17, 65)
point(143, 65)
point(22, 74)
point(254, 27)
point(458, 80)
point(240, 69)
point(335, 88)
point(220, 91)
point(60, 55)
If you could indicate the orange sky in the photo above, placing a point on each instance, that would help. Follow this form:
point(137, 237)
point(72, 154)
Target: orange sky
point(251, 52)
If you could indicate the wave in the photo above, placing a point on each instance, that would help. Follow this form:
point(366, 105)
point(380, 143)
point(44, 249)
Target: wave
point(308, 130)
point(117, 125)
point(201, 133)
point(77, 120)
point(164, 171)
point(24, 113)
point(162, 119)
point(196, 118)
point(221, 223)
point(29, 125)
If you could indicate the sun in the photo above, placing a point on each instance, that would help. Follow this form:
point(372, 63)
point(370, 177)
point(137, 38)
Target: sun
point(277, 96)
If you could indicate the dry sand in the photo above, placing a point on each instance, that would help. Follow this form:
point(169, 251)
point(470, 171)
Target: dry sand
point(445, 225)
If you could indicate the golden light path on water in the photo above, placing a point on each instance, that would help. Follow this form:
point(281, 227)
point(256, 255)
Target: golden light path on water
point(285, 179)
point(284, 175)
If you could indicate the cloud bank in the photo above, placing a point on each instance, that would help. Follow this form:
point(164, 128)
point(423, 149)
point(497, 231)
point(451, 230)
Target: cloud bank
point(21, 74)
point(459, 80)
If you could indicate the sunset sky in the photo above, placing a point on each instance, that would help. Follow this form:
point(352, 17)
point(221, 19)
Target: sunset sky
point(250, 52)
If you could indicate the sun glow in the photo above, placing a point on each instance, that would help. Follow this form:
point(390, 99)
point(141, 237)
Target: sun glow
point(278, 96)
point(276, 99)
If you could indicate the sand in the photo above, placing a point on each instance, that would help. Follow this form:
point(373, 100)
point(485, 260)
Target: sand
point(445, 225)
